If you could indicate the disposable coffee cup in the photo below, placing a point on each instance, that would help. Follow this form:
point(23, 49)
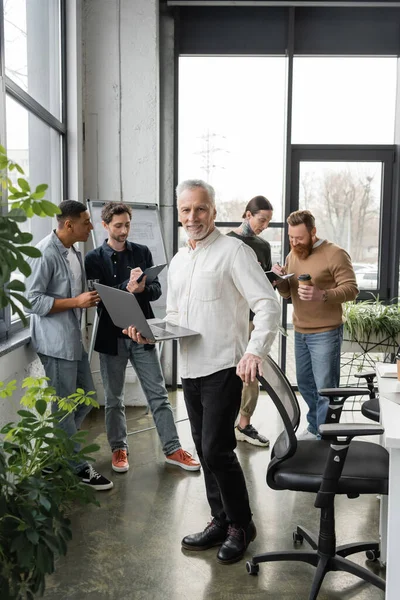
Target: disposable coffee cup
point(305, 279)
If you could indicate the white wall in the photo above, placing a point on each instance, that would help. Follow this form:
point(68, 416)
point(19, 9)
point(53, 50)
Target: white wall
point(121, 100)
point(121, 107)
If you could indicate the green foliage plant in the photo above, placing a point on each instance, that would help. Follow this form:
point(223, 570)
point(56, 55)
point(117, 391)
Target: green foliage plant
point(372, 320)
point(14, 242)
point(37, 482)
point(37, 487)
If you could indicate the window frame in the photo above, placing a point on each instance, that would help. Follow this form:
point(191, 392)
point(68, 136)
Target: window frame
point(9, 87)
point(386, 154)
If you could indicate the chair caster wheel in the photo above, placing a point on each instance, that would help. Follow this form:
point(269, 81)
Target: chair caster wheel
point(372, 554)
point(297, 538)
point(251, 568)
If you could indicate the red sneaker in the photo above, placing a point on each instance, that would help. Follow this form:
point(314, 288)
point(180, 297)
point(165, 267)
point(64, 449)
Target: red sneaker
point(120, 461)
point(183, 459)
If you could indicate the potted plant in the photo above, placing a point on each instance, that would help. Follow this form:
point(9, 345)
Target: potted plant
point(37, 487)
point(371, 326)
point(37, 483)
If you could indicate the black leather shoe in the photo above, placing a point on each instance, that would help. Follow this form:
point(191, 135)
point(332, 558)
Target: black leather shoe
point(236, 543)
point(213, 535)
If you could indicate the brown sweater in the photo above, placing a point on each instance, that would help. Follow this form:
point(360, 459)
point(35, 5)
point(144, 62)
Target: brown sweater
point(331, 269)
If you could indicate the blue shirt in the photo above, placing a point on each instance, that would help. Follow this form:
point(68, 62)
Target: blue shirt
point(58, 334)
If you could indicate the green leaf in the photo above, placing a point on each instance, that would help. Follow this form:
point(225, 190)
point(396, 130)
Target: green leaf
point(19, 169)
point(16, 284)
point(24, 237)
point(45, 502)
point(32, 536)
point(49, 208)
point(36, 206)
point(25, 413)
point(24, 185)
point(30, 251)
point(41, 406)
point(17, 214)
point(16, 309)
point(90, 449)
point(21, 299)
point(23, 266)
point(42, 187)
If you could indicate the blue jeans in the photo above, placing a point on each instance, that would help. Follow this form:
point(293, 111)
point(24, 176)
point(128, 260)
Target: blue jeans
point(317, 366)
point(148, 369)
point(66, 376)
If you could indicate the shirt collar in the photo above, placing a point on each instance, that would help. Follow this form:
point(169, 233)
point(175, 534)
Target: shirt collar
point(206, 241)
point(58, 243)
point(110, 251)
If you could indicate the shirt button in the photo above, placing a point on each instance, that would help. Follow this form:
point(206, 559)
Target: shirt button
point(114, 275)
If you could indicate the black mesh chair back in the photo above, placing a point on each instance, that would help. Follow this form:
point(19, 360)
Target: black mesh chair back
point(276, 384)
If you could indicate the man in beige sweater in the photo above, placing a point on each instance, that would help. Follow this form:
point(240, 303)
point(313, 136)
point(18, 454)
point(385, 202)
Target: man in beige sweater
point(317, 311)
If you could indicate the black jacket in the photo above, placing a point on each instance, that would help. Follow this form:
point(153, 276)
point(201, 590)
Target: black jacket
point(106, 265)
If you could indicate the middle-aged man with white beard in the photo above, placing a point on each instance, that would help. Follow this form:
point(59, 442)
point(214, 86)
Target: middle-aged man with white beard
point(212, 283)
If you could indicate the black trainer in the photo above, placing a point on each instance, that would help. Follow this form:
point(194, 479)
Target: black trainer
point(236, 543)
point(213, 535)
point(250, 434)
point(89, 476)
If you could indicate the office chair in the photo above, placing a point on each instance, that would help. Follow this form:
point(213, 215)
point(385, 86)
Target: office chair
point(370, 408)
point(333, 465)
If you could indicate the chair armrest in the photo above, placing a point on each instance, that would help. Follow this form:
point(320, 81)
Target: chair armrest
point(367, 374)
point(337, 455)
point(349, 430)
point(343, 392)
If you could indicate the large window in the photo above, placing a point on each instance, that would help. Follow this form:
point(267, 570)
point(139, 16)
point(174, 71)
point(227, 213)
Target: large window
point(33, 126)
point(32, 44)
point(344, 100)
point(322, 125)
point(231, 128)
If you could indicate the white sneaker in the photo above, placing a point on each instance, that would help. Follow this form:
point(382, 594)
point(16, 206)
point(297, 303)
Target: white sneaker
point(306, 435)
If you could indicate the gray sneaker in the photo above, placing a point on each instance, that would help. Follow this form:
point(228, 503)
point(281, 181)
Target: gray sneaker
point(250, 434)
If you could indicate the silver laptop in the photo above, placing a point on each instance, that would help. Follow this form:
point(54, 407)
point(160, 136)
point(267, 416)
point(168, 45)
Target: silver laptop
point(125, 310)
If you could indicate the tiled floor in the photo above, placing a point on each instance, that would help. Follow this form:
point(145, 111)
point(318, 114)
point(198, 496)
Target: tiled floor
point(129, 547)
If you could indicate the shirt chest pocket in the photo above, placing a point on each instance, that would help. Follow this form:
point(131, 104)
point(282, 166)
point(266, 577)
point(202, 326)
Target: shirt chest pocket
point(207, 286)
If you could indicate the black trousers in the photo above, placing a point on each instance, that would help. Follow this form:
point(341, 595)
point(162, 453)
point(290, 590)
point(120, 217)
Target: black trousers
point(213, 403)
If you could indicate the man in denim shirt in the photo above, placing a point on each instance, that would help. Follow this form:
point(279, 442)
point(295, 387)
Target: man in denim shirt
point(55, 291)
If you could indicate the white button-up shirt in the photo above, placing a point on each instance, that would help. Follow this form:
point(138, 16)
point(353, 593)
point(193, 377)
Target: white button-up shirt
point(210, 290)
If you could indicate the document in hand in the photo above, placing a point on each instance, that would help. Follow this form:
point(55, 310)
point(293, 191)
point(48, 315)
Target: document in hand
point(275, 277)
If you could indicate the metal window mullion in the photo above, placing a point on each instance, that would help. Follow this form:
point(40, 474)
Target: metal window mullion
point(64, 113)
point(33, 106)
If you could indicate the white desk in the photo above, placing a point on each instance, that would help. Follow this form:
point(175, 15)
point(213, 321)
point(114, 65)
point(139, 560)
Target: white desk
point(389, 400)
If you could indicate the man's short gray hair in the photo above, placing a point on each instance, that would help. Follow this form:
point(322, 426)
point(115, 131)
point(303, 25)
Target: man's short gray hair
point(192, 184)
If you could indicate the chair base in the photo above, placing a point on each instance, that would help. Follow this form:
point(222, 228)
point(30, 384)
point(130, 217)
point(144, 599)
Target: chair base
point(322, 562)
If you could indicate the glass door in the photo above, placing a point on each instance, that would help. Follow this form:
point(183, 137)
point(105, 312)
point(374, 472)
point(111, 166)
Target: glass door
point(348, 192)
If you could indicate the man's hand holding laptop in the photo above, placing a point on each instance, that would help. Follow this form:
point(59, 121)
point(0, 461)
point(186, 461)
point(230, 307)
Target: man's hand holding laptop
point(134, 334)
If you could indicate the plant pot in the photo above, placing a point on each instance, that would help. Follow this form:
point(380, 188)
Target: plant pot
point(374, 343)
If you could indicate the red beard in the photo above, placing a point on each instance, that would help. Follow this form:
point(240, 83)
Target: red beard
point(302, 251)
